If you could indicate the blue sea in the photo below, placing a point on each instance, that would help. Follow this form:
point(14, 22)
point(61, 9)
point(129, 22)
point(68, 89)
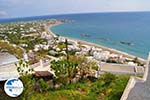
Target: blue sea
point(107, 29)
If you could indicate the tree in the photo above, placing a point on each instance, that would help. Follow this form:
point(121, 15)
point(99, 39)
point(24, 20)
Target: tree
point(85, 65)
point(136, 60)
point(65, 70)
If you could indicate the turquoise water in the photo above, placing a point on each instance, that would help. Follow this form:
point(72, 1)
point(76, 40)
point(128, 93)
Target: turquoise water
point(111, 29)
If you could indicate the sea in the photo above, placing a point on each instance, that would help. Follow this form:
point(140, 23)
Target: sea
point(125, 31)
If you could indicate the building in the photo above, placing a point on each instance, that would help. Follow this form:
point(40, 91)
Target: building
point(7, 66)
point(46, 75)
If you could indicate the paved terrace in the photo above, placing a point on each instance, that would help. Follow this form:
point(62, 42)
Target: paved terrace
point(8, 71)
point(7, 66)
point(138, 89)
point(122, 69)
point(6, 58)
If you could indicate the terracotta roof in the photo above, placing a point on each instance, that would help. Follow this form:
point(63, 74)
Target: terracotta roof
point(43, 74)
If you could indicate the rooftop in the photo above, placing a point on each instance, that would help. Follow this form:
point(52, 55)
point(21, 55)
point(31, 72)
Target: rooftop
point(42, 74)
point(7, 66)
point(6, 58)
point(139, 89)
point(8, 71)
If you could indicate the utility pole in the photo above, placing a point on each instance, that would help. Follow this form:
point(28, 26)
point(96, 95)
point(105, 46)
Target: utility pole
point(66, 42)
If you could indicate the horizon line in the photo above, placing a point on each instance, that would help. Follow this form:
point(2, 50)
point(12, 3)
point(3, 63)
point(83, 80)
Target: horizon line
point(72, 14)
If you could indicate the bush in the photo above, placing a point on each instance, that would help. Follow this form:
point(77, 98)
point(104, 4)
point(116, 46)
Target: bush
point(15, 50)
point(108, 78)
point(44, 86)
point(61, 46)
point(83, 90)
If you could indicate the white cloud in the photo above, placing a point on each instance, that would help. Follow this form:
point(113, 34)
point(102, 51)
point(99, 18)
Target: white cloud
point(20, 8)
point(3, 14)
point(15, 2)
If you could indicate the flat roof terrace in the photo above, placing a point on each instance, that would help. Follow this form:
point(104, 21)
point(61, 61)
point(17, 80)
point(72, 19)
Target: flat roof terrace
point(137, 88)
point(7, 66)
point(141, 90)
point(6, 58)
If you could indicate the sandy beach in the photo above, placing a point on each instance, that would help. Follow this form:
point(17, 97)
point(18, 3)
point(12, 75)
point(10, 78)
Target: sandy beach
point(52, 25)
point(96, 45)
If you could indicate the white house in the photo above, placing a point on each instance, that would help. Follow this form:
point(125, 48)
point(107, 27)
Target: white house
point(103, 55)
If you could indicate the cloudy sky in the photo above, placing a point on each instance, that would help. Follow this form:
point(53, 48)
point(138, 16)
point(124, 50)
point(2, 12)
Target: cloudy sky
point(24, 8)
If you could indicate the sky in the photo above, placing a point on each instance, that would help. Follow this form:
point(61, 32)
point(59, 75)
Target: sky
point(26, 8)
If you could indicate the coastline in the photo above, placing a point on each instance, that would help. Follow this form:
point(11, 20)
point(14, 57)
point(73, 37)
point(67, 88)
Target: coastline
point(47, 28)
point(112, 50)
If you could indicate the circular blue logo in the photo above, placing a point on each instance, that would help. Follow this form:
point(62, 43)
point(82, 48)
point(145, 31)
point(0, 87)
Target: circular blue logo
point(13, 87)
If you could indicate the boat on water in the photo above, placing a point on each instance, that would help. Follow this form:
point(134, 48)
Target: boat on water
point(104, 39)
point(127, 43)
point(85, 35)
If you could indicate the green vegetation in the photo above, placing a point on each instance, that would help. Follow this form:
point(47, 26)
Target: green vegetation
point(85, 66)
point(32, 41)
point(73, 69)
point(64, 87)
point(108, 87)
point(14, 38)
point(41, 54)
point(23, 68)
point(43, 86)
point(61, 46)
point(18, 38)
point(65, 71)
point(74, 77)
point(137, 61)
point(12, 49)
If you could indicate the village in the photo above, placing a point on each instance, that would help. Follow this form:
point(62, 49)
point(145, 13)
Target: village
point(31, 48)
point(40, 47)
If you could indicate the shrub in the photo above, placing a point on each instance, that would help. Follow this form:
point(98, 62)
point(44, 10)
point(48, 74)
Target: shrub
point(44, 86)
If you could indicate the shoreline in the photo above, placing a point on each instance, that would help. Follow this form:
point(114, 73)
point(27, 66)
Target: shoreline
point(112, 50)
point(48, 30)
